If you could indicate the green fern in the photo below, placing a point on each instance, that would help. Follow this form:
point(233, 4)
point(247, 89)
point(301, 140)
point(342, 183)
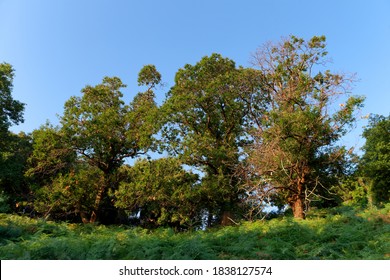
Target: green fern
point(340, 233)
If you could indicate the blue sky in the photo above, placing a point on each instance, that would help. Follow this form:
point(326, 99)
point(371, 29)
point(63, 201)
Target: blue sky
point(58, 47)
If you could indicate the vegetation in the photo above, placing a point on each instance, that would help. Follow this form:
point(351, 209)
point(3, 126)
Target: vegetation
point(103, 131)
point(294, 153)
point(162, 193)
point(375, 164)
point(11, 110)
point(205, 128)
point(235, 141)
point(339, 233)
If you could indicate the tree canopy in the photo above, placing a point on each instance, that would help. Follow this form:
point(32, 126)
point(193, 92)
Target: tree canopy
point(14, 149)
point(295, 151)
point(11, 110)
point(103, 131)
point(375, 164)
point(162, 193)
point(205, 118)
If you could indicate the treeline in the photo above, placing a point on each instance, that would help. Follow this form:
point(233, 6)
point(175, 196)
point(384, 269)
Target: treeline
point(234, 140)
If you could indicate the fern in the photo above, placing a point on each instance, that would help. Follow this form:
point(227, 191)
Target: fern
point(340, 233)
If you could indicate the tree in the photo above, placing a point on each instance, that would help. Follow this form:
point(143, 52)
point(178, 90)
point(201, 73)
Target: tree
point(13, 148)
point(295, 156)
point(104, 131)
point(162, 193)
point(11, 111)
point(69, 196)
point(51, 161)
point(375, 163)
point(13, 166)
point(51, 155)
point(205, 119)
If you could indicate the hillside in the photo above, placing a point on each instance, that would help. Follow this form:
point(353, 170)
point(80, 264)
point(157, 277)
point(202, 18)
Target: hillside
point(339, 233)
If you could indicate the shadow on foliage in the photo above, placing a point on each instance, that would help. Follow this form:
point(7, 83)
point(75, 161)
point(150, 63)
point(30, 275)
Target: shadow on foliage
point(341, 233)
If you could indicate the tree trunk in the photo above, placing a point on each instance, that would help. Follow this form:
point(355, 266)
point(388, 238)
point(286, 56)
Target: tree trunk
point(297, 202)
point(96, 208)
point(298, 208)
point(82, 213)
point(84, 218)
point(226, 219)
point(209, 221)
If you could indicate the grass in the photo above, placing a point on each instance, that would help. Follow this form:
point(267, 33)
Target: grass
point(340, 233)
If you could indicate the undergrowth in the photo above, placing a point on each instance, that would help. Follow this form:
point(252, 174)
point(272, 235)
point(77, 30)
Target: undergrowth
point(339, 233)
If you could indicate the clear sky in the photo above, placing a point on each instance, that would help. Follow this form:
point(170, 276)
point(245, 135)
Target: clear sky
point(58, 47)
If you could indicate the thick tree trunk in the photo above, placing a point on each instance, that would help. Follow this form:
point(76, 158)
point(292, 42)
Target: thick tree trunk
point(297, 202)
point(82, 213)
point(298, 208)
point(98, 200)
point(96, 208)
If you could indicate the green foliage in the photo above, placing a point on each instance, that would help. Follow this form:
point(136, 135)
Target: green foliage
point(13, 164)
point(334, 234)
point(69, 196)
point(149, 76)
point(104, 131)
point(50, 165)
point(13, 148)
point(144, 121)
point(4, 203)
point(204, 124)
point(95, 125)
point(163, 192)
point(11, 111)
point(375, 163)
point(354, 191)
point(51, 154)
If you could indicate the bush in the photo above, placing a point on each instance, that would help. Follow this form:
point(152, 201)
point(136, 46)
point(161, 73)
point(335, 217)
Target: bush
point(4, 203)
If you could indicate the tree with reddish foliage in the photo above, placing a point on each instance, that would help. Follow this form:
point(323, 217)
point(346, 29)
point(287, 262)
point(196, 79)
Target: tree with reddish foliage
point(295, 152)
